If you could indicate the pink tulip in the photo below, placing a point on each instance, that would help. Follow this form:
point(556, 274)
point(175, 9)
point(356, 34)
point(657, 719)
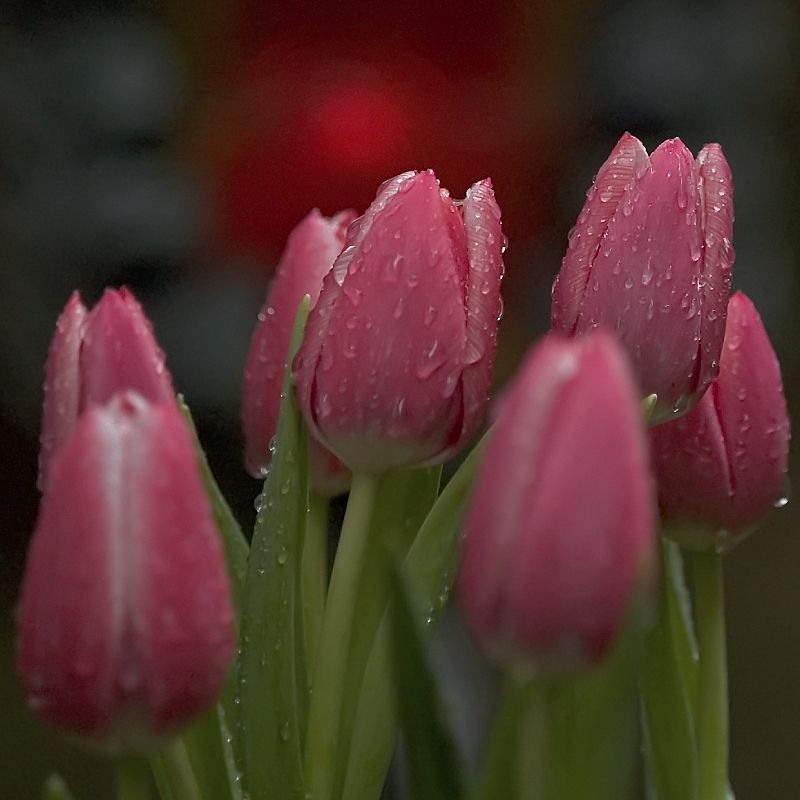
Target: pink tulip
point(651, 257)
point(559, 532)
point(723, 466)
point(396, 362)
point(310, 252)
point(125, 619)
point(92, 357)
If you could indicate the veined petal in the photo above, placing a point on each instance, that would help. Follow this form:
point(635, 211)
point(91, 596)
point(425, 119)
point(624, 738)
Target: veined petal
point(485, 246)
point(716, 198)
point(644, 284)
point(626, 162)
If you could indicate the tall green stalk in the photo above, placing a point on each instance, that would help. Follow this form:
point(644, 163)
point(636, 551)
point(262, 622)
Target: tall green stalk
point(331, 664)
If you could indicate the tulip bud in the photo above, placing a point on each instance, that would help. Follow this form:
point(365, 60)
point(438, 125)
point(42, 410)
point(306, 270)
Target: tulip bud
point(651, 257)
point(559, 531)
point(125, 621)
point(310, 251)
point(397, 356)
point(92, 357)
point(723, 466)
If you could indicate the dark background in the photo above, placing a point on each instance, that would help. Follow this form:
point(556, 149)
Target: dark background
point(172, 146)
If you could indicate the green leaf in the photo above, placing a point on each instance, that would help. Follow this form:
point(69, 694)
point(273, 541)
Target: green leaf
point(430, 567)
point(668, 686)
point(403, 501)
point(209, 746)
point(233, 540)
point(210, 742)
point(432, 758)
point(273, 679)
point(56, 789)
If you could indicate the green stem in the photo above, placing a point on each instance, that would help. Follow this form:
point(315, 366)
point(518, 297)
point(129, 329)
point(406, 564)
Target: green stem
point(519, 762)
point(314, 573)
point(712, 689)
point(174, 769)
point(331, 666)
point(535, 747)
point(132, 781)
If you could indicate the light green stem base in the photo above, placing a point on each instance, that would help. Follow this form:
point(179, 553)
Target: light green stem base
point(520, 762)
point(705, 570)
point(330, 671)
point(173, 772)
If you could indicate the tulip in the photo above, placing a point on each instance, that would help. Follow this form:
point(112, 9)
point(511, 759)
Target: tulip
point(396, 361)
point(559, 530)
point(651, 257)
point(723, 466)
point(92, 357)
point(125, 621)
point(310, 251)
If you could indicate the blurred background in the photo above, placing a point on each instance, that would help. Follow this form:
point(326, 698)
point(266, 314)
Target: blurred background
point(171, 146)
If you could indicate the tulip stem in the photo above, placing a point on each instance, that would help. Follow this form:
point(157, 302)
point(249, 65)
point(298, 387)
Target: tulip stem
point(712, 691)
point(132, 779)
point(331, 668)
point(314, 573)
point(173, 772)
point(520, 759)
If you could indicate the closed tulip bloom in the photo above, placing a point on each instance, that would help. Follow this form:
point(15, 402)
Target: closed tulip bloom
point(559, 531)
point(723, 466)
point(397, 357)
point(125, 624)
point(310, 251)
point(92, 357)
point(650, 257)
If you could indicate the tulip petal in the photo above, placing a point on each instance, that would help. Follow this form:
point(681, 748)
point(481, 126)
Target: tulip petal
point(695, 438)
point(383, 373)
point(559, 531)
point(179, 602)
point(716, 198)
point(485, 246)
point(120, 352)
point(126, 625)
point(62, 384)
point(627, 161)
point(487, 558)
point(752, 412)
point(644, 281)
point(310, 252)
point(71, 600)
point(587, 572)
point(723, 466)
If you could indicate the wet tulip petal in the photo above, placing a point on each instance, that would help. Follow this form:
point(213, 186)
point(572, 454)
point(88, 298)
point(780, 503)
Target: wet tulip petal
point(650, 257)
point(62, 383)
point(485, 243)
point(387, 374)
point(724, 465)
point(626, 162)
point(120, 352)
point(126, 623)
point(310, 252)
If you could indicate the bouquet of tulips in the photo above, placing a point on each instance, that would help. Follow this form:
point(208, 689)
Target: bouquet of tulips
point(584, 533)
